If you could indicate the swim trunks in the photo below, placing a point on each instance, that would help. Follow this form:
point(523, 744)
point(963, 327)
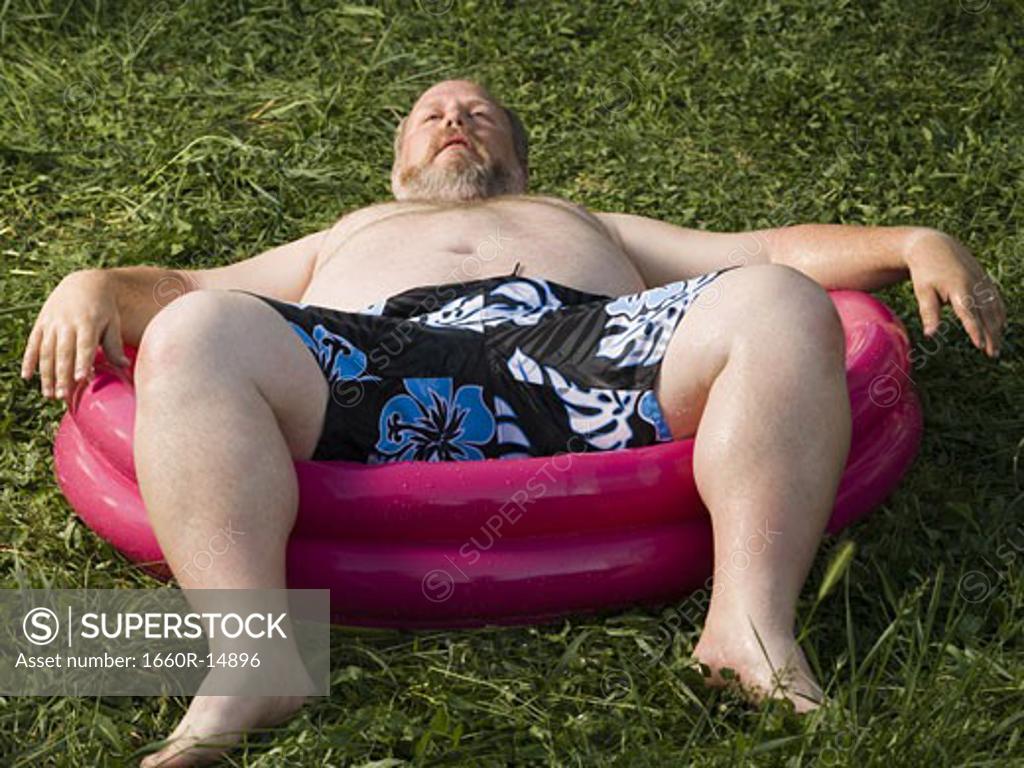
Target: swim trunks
point(499, 367)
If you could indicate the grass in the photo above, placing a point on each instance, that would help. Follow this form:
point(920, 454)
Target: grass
point(199, 133)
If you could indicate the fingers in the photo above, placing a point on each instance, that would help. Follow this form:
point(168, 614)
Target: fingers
point(986, 306)
point(30, 359)
point(64, 356)
point(46, 361)
point(84, 352)
point(65, 353)
point(966, 309)
point(929, 306)
point(990, 320)
point(993, 312)
point(63, 341)
point(65, 362)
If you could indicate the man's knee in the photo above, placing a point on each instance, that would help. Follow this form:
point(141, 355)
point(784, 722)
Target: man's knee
point(799, 310)
point(188, 327)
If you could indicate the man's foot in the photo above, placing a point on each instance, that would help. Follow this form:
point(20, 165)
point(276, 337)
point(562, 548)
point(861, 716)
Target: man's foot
point(215, 724)
point(784, 673)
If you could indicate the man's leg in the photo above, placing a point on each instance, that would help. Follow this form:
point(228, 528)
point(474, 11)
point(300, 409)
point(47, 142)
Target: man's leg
point(756, 369)
point(227, 398)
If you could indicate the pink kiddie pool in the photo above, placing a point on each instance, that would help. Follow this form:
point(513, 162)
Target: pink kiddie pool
point(457, 544)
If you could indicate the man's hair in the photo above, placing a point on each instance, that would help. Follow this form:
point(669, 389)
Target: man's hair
point(519, 138)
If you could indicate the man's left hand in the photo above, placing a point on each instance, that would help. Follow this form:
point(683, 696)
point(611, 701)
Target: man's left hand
point(943, 271)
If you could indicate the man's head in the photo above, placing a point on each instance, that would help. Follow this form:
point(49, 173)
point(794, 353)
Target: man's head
point(458, 144)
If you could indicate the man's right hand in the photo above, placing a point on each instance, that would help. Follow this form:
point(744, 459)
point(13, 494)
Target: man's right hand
point(80, 313)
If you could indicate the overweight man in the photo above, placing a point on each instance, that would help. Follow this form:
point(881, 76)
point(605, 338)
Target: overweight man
point(468, 320)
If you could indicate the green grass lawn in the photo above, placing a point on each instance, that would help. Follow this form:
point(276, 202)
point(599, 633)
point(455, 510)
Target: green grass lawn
point(203, 132)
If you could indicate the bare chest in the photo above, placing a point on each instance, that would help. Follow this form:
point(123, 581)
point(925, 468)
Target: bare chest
point(390, 248)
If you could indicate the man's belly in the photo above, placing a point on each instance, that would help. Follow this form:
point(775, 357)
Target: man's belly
point(352, 284)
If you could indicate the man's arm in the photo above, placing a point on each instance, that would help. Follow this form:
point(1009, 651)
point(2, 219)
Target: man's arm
point(283, 272)
point(111, 307)
point(834, 255)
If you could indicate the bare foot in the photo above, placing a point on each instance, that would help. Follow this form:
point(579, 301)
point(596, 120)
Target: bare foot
point(215, 724)
point(783, 673)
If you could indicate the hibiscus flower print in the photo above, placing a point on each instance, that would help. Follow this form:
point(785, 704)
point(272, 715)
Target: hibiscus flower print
point(434, 421)
point(338, 357)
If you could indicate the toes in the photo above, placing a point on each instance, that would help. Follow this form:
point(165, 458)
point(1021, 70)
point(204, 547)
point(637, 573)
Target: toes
point(153, 760)
point(180, 756)
point(165, 758)
point(749, 676)
point(160, 760)
point(172, 746)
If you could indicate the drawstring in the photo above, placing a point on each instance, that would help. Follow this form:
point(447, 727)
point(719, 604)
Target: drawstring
point(515, 272)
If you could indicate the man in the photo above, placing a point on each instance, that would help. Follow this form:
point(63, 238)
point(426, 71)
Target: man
point(466, 320)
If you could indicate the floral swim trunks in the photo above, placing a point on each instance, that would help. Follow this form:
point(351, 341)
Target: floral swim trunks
point(500, 367)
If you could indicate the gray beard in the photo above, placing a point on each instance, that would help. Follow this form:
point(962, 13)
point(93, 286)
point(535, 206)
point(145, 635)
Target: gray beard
point(458, 183)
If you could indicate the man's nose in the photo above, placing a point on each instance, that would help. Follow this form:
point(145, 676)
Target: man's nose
point(454, 118)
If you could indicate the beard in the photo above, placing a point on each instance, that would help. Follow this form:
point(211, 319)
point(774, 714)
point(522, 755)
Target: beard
point(460, 179)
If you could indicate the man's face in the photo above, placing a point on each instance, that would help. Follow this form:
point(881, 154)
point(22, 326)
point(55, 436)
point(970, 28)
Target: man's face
point(457, 146)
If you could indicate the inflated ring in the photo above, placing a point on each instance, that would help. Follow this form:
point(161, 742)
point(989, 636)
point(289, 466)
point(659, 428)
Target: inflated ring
point(460, 544)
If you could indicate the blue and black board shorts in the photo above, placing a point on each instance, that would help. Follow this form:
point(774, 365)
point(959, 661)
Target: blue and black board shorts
point(500, 367)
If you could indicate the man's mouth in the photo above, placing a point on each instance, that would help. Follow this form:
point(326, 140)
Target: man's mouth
point(455, 141)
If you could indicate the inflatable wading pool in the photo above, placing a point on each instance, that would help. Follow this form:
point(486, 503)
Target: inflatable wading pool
point(458, 544)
